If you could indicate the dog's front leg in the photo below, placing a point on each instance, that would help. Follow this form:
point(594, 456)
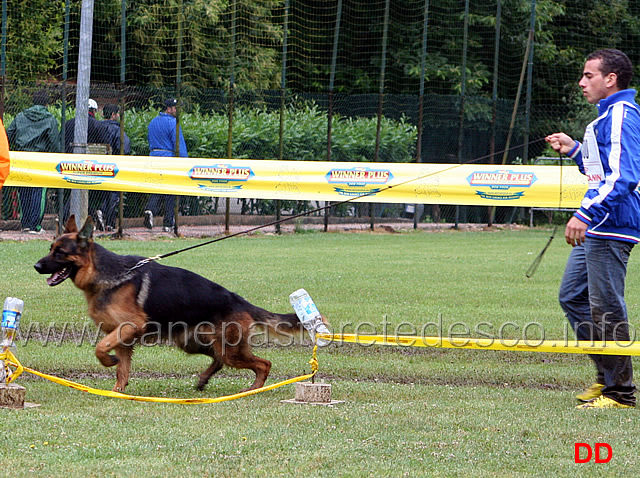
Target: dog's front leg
point(105, 346)
point(122, 341)
point(123, 354)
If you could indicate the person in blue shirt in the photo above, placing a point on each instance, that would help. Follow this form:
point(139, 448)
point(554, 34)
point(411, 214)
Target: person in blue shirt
point(605, 229)
point(162, 142)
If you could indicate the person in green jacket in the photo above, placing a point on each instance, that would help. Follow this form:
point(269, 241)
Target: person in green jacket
point(34, 129)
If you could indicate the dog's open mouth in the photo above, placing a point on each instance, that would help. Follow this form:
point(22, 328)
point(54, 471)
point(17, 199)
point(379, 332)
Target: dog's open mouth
point(59, 276)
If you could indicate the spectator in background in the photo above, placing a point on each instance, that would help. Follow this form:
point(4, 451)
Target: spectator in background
point(107, 212)
point(162, 142)
point(96, 132)
point(34, 129)
point(111, 115)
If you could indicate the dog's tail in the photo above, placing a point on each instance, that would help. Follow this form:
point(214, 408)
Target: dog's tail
point(278, 322)
point(283, 324)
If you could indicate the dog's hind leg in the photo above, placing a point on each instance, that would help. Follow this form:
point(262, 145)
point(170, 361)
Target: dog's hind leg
point(234, 348)
point(240, 356)
point(260, 366)
point(215, 366)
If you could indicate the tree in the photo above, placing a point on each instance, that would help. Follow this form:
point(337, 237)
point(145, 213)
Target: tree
point(198, 30)
point(34, 38)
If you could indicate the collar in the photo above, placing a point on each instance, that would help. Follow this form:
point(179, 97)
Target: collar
point(622, 95)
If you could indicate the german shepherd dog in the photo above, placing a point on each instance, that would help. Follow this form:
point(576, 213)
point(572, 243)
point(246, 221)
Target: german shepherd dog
point(128, 303)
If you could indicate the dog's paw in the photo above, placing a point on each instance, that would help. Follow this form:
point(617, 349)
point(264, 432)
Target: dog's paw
point(109, 360)
point(119, 388)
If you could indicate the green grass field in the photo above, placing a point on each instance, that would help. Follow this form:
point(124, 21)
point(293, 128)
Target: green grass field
point(406, 411)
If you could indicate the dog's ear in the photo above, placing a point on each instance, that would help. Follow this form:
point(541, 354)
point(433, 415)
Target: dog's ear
point(86, 233)
point(70, 225)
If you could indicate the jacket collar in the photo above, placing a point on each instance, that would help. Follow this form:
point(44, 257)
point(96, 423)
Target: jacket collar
point(622, 95)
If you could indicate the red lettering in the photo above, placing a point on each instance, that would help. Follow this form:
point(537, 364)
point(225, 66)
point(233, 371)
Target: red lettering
point(609, 453)
point(577, 453)
point(599, 457)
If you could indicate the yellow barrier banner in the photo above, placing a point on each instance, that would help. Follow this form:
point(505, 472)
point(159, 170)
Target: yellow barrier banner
point(413, 183)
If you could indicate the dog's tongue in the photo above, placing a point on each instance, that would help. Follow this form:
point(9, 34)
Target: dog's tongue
point(57, 277)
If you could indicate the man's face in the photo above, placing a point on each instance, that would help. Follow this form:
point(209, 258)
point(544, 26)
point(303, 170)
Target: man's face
point(172, 110)
point(595, 86)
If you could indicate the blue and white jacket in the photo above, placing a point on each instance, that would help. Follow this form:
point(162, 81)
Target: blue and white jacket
point(610, 158)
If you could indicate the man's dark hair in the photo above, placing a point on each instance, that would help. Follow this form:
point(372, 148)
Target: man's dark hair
point(41, 97)
point(109, 109)
point(614, 61)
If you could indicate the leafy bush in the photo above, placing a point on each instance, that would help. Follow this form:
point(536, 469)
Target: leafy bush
point(256, 134)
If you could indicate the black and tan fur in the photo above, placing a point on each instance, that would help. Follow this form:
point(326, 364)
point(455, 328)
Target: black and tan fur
point(131, 304)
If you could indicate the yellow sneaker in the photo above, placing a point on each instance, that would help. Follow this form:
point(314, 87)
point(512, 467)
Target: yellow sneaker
point(603, 402)
point(594, 391)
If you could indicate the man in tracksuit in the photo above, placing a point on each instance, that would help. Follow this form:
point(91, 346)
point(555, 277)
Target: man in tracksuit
point(607, 225)
point(162, 142)
point(34, 129)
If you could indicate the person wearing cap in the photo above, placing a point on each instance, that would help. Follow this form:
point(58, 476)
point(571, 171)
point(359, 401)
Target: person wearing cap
point(34, 129)
point(96, 131)
point(96, 134)
point(105, 215)
point(162, 142)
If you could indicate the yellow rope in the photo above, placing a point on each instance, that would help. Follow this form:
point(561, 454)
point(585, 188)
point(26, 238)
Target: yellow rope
point(517, 345)
point(314, 361)
point(13, 361)
point(557, 346)
point(10, 359)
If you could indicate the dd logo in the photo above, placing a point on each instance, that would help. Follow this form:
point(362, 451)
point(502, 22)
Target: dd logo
point(599, 458)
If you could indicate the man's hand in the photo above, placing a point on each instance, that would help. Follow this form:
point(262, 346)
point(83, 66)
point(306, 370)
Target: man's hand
point(560, 142)
point(575, 231)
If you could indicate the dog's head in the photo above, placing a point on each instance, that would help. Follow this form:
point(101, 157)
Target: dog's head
point(69, 253)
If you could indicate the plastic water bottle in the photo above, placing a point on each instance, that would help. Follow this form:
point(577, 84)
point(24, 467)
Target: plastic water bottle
point(11, 314)
point(309, 315)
